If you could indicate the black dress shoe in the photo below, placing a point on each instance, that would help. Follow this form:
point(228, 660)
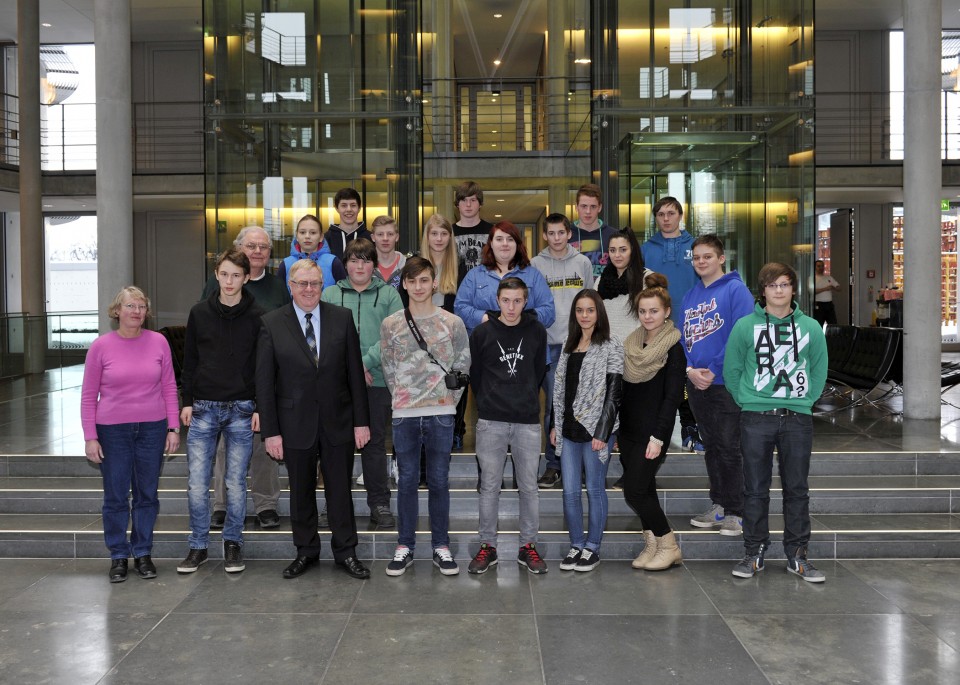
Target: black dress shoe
point(145, 567)
point(299, 566)
point(268, 518)
point(118, 570)
point(354, 568)
point(217, 520)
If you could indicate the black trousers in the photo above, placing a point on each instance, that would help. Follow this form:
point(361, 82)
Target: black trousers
point(336, 466)
point(640, 485)
point(824, 312)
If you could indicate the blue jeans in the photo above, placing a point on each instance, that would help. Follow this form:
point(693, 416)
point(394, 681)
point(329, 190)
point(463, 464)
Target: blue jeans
point(132, 459)
point(435, 433)
point(792, 436)
point(523, 440)
point(718, 419)
point(210, 421)
point(574, 457)
point(549, 378)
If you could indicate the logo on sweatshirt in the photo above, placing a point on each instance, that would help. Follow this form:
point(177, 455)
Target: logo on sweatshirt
point(781, 372)
point(700, 322)
point(511, 358)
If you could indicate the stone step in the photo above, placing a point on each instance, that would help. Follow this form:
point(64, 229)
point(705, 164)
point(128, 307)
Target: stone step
point(833, 537)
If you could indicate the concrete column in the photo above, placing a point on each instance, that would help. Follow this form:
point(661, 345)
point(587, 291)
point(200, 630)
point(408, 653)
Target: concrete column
point(443, 106)
point(33, 300)
point(558, 72)
point(111, 33)
point(921, 210)
point(558, 199)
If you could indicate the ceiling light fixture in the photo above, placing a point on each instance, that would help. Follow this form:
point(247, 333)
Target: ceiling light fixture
point(498, 16)
point(46, 25)
point(497, 62)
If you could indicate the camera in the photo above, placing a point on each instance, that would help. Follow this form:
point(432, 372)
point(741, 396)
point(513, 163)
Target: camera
point(456, 380)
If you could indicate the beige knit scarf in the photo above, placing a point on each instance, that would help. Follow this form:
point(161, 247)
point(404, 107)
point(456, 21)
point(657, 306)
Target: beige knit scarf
point(640, 363)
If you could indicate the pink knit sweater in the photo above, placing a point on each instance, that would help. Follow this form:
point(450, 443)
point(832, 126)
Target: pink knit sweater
point(128, 380)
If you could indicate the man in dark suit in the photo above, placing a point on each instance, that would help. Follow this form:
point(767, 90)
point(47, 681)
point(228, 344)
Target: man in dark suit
point(312, 399)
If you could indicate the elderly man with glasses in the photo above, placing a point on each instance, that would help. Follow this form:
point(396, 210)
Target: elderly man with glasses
point(269, 292)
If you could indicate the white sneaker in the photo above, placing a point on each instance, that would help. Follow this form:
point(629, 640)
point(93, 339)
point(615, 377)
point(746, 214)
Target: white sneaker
point(711, 518)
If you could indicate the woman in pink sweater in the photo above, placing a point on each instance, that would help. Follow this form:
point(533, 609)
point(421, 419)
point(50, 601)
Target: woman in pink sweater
point(129, 412)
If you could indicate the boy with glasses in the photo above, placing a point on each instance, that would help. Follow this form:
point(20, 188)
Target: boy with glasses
point(775, 367)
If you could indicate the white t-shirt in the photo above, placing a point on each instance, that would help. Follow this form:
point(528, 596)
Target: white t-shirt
point(822, 282)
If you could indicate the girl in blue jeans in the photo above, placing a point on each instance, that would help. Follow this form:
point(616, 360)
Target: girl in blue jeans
point(586, 398)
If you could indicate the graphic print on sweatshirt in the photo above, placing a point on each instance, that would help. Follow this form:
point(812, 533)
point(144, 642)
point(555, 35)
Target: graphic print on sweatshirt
point(781, 368)
point(701, 322)
point(509, 357)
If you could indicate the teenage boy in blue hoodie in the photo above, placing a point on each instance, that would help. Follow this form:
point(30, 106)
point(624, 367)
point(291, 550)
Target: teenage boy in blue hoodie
point(776, 367)
point(669, 251)
point(710, 310)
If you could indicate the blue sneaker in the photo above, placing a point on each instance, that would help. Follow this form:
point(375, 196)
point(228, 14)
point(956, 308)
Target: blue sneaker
point(711, 518)
point(691, 440)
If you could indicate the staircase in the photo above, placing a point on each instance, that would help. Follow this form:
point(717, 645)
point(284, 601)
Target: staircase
point(863, 504)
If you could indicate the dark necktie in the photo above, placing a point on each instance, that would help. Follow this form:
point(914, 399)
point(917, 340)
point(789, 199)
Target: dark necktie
point(311, 337)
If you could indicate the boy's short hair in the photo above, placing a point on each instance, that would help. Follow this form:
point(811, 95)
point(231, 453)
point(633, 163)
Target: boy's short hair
point(557, 218)
point(347, 194)
point(710, 240)
point(383, 220)
point(416, 266)
point(360, 248)
point(235, 256)
point(513, 283)
point(771, 271)
point(668, 201)
point(590, 190)
point(468, 189)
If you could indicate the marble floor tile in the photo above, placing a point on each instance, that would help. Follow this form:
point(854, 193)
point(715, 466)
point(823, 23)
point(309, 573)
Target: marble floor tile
point(647, 650)
point(946, 627)
point(916, 586)
point(16, 575)
point(879, 649)
point(441, 649)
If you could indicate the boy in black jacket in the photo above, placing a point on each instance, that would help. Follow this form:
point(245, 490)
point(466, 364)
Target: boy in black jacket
point(219, 398)
point(509, 359)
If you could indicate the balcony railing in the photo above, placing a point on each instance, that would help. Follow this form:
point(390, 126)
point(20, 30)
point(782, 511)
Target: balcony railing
point(68, 337)
point(167, 136)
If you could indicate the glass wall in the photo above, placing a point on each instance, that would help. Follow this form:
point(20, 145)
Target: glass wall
point(303, 101)
point(712, 102)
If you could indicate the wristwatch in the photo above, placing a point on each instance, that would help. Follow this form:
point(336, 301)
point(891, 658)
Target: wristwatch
point(174, 430)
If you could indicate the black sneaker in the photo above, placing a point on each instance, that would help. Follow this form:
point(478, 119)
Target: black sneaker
point(549, 479)
point(268, 518)
point(402, 557)
point(750, 565)
point(217, 520)
point(381, 517)
point(195, 559)
point(569, 562)
point(483, 560)
point(798, 565)
point(443, 560)
point(530, 557)
point(588, 560)
point(232, 556)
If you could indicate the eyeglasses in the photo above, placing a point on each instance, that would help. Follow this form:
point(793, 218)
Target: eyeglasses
point(779, 286)
point(306, 285)
point(255, 247)
point(131, 307)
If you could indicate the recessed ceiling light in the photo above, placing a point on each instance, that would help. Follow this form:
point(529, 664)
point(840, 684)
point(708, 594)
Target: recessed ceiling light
point(497, 62)
point(497, 216)
point(46, 25)
point(496, 131)
point(498, 16)
point(493, 144)
point(501, 200)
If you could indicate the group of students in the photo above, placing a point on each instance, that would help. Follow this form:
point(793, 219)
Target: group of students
point(596, 329)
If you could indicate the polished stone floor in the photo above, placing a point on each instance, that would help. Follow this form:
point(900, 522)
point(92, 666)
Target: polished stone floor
point(873, 621)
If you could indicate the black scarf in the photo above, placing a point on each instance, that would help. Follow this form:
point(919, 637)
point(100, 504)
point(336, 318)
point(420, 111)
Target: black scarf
point(611, 285)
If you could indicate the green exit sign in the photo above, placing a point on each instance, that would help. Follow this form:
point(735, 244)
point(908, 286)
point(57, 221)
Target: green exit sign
point(781, 220)
point(944, 205)
point(221, 226)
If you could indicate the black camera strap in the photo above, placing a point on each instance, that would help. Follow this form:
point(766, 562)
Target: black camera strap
point(419, 338)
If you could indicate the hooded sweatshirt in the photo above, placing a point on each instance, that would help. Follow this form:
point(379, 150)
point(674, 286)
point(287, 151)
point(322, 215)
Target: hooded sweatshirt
point(508, 364)
point(220, 352)
point(594, 245)
point(709, 313)
point(330, 266)
point(477, 295)
point(369, 307)
point(565, 277)
point(773, 363)
point(337, 238)
point(672, 257)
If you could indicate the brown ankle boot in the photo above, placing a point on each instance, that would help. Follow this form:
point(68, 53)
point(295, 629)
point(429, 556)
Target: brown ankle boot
point(650, 549)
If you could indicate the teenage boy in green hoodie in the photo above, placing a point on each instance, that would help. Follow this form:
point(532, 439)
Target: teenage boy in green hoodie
point(775, 366)
point(370, 300)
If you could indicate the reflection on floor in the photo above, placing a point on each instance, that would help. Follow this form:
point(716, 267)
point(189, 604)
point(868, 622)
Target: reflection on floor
point(873, 621)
